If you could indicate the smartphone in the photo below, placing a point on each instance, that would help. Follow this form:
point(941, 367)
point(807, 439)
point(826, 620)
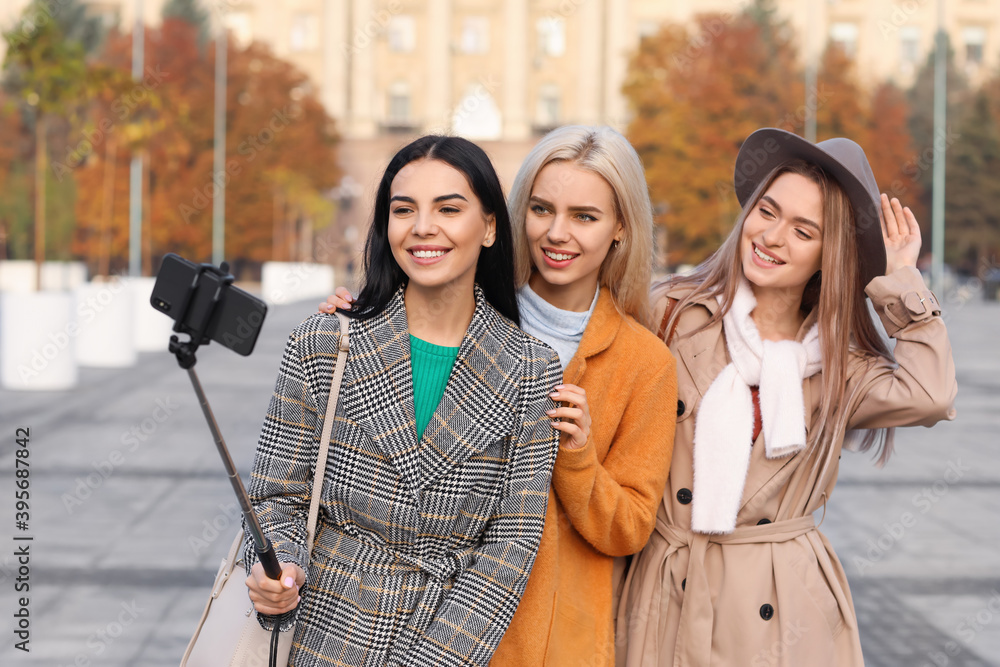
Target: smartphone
point(200, 298)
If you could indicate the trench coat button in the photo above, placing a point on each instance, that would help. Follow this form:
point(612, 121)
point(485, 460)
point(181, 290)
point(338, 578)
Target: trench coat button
point(680, 407)
point(684, 583)
point(684, 496)
point(763, 522)
point(766, 612)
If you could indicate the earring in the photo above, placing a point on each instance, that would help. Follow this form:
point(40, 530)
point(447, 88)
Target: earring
point(615, 243)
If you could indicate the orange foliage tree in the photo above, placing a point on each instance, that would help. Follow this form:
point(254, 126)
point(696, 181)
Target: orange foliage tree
point(280, 145)
point(696, 94)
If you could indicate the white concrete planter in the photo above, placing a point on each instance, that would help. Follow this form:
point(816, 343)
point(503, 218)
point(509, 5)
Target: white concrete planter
point(152, 329)
point(287, 282)
point(63, 275)
point(18, 276)
point(37, 333)
point(104, 316)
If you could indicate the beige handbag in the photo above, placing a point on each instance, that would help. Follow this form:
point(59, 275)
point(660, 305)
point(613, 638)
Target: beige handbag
point(229, 633)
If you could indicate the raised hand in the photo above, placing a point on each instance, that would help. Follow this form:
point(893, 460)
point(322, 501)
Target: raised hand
point(901, 234)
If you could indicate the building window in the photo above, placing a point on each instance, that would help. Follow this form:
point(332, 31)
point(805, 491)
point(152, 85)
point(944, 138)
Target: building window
point(399, 104)
point(109, 14)
point(909, 48)
point(551, 36)
point(402, 34)
point(305, 33)
point(240, 27)
point(974, 40)
point(845, 36)
point(547, 113)
point(475, 34)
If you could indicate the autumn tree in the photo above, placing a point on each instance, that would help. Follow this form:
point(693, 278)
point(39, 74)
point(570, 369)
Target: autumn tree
point(890, 150)
point(697, 92)
point(280, 155)
point(841, 105)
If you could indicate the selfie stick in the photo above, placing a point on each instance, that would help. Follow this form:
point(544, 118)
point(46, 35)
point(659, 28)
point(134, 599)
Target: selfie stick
point(184, 351)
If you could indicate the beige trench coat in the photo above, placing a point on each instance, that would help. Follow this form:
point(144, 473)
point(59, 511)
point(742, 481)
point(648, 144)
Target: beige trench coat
point(773, 592)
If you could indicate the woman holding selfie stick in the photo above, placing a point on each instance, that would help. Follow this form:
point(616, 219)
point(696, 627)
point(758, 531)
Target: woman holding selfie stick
point(441, 456)
point(781, 367)
point(583, 234)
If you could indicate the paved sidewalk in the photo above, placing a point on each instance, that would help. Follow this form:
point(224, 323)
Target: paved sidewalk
point(131, 511)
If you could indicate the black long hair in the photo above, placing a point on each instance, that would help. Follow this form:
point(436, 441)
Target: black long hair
point(495, 267)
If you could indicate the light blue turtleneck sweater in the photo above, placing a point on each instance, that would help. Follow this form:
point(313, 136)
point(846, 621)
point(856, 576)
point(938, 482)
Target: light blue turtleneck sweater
point(560, 329)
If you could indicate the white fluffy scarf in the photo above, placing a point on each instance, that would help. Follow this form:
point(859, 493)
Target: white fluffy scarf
point(724, 426)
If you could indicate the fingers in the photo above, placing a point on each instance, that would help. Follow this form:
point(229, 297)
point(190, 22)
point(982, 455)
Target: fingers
point(898, 218)
point(890, 228)
point(275, 596)
point(911, 221)
point(341, 299)
point(574, 422)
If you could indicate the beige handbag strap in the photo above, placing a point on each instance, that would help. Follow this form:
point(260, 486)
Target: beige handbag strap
point(324, 445)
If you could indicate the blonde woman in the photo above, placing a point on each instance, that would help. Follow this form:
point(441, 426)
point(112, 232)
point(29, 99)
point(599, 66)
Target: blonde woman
point(582, 226)
point(781, 367)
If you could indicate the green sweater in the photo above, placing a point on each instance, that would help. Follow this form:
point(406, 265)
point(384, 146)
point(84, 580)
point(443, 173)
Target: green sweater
point(431, 368)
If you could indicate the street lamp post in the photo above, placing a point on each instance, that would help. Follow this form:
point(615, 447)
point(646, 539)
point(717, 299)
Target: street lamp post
point(135, 169)
point(937, 189)
point(219, 167)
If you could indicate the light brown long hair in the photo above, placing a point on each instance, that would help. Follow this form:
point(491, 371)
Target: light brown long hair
point(627, 267)
point(836, 290)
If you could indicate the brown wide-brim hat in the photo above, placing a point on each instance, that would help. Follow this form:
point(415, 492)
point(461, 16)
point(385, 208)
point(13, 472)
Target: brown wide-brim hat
point(843, 160)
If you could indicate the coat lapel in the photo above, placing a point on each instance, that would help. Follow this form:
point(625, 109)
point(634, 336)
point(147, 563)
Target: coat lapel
point(598, 336)
point(480, 400)
point(379, 382)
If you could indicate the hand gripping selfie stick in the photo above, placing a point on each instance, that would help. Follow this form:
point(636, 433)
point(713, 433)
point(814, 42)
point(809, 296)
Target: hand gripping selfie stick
point(184, 351)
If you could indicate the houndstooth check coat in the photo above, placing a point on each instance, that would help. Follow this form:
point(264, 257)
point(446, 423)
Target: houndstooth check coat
point(422, 549)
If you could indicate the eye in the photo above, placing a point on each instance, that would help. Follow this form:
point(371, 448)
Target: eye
point(804, 234)
point(586, 217)
point(450, 210)
point(402, 210)
point(766, 212)
point(538, 209)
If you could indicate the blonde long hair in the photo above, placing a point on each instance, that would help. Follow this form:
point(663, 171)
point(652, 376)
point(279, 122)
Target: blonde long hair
point(627, 268)
point(836, 290)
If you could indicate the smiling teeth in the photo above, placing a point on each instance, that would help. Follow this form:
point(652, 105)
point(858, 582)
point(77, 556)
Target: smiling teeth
point(559, 257)
point(765, 257)
point(427, 254)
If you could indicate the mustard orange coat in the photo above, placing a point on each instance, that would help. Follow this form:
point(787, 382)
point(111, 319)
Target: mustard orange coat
point(604, 495)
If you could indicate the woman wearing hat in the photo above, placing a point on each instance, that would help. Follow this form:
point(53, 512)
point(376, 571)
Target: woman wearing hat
point(780, 367)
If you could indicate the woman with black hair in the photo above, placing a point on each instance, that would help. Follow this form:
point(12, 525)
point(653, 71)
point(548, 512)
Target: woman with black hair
point(441, 454)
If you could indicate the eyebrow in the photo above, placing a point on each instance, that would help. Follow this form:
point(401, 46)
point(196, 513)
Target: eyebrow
point(575, 209)
point(798, 218)
point(411, 200)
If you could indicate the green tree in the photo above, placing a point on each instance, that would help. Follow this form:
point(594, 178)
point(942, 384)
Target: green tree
point(49, 73)
point(972, 208)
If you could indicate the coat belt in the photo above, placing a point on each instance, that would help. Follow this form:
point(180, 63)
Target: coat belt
point(694, 632)
point(359, 553)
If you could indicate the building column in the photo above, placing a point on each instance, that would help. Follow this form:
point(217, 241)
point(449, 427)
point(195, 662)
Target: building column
point(514, 90)
point(618, 42)
point(361, 114)
point(439, 104)
point(337, 44)
point(591, 36)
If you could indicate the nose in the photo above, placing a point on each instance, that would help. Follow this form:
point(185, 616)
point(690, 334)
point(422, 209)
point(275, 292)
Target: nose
point(559, 229)
point(424, 225)
point(771, 235)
